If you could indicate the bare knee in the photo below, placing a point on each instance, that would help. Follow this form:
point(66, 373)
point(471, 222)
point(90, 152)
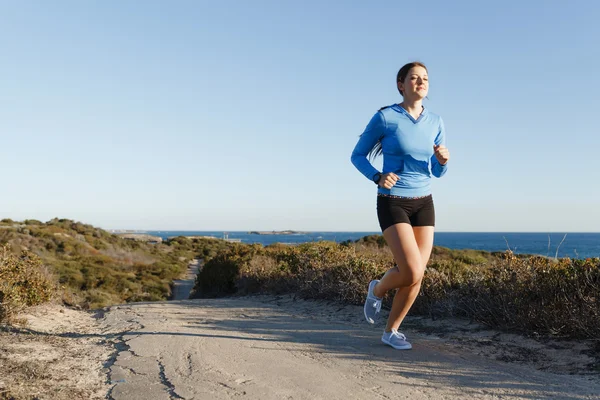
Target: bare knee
point(413, 275)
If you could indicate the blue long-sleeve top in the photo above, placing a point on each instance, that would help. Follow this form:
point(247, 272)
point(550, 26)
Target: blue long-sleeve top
point(407, 146)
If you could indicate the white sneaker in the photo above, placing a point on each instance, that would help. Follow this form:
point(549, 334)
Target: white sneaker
point(396, 339)
point(372, 303)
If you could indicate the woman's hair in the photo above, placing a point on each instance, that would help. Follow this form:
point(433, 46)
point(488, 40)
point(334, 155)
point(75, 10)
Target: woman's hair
point(377, 149)
point(404, 71)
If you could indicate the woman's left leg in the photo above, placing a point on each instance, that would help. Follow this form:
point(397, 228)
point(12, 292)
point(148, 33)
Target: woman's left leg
point(405, 296)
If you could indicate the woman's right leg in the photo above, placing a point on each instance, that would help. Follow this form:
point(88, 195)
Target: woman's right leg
point(406, 277)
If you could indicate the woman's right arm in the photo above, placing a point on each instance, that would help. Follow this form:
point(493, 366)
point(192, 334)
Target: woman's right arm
point(367, 141)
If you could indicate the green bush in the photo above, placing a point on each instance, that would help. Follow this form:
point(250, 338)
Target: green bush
point(219, 275)
point(96, 268)
point(313, 270)
point(23, 282)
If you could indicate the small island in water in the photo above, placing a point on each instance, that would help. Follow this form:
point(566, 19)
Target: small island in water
point(276, 233)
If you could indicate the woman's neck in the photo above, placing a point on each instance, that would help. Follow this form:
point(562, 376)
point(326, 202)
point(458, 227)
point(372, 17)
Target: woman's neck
point(413, 107)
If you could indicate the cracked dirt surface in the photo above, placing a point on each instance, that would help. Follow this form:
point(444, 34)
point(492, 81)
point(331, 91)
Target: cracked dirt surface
point(277, 347)
point(61, 353)
point(267, 347)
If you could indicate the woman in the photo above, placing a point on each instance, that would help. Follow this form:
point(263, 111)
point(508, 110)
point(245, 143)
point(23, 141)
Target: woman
point(412, 141)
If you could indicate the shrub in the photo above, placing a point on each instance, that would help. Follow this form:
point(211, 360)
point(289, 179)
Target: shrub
point(532, 295)
point(23, 282)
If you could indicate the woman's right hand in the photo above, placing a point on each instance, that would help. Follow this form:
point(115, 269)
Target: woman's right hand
point(388, 180)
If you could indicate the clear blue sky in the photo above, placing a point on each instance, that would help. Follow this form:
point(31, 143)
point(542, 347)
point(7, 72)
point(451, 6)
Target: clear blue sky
point(241, 115)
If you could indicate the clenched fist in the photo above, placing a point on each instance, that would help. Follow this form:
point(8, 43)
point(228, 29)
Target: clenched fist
point(388, 180)
point(441, 153)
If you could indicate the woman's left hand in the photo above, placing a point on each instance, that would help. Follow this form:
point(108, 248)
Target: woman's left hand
point(441, 153)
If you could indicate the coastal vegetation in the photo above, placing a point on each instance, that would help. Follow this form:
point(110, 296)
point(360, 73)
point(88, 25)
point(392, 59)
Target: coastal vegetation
point(83, 266)
point(528, 294)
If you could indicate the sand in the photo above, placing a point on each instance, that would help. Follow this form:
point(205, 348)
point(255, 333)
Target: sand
point(277, 347)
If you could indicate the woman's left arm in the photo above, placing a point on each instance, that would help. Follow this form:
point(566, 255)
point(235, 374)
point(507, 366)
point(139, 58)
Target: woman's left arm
point(441, 155)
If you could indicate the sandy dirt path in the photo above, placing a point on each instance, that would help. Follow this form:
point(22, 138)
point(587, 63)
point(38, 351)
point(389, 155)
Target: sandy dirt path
point(267, 347)
point(182, 288)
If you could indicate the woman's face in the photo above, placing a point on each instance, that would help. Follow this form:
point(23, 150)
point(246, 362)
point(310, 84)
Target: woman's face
point(416, 84)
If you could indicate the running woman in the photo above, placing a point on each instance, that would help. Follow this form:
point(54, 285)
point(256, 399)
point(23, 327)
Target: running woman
point(412, 141)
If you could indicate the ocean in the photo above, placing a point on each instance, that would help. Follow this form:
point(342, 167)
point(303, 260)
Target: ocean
point(575, 245)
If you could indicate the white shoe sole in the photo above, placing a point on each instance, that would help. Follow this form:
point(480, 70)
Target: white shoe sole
point(405, 347)
point(369, 320)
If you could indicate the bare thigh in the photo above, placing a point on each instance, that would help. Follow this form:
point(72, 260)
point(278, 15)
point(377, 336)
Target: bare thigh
point(424, 238)
point(407, 254)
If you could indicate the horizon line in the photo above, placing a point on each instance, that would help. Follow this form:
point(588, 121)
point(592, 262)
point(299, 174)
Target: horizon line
point(327, 231)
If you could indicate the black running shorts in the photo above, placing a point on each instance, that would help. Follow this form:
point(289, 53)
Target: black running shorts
point(414, 211)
